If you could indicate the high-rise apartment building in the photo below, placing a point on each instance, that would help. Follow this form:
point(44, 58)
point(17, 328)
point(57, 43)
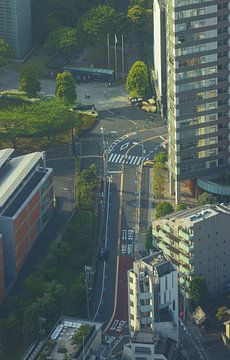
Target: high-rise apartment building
point(153, 296)
point(15, 25)
point(197, 62)
point(197, 242)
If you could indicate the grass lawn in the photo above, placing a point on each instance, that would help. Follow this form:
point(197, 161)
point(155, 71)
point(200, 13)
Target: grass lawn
point(38, 61)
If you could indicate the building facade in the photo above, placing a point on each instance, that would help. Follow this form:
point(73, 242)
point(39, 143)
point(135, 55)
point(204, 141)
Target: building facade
point(197, 62)
point(197, 242)
point(26, 205)
point(153, 295)
point(15, 25)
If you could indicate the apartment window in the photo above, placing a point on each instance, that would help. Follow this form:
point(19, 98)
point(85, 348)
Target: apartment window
point(131, 303)
point(131, 291)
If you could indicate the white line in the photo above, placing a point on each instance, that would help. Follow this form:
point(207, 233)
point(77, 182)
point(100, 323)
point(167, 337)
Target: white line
point(135, 161)
point(131, 160)
point(122, 156)
point(139, 160)
point(114, 157)
point(109, 159)
point(129, 157)
point(106, 244)
point(117, 159)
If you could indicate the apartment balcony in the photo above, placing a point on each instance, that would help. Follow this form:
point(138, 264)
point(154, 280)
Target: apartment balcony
point(145, 296)
point(185, 235)
point(186, 247)
point(184, 259)
point(146, 308)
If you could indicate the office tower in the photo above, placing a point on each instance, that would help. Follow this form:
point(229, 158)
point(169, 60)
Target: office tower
point(15, 25)
point(197, 242)
point(197, 62)
point(153, 296)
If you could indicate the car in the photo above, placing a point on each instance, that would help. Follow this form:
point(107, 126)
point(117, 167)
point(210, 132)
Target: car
point(103, 254)
point(149, 162)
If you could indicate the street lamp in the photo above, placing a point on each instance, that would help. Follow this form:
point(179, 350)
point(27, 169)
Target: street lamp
point(87, 275)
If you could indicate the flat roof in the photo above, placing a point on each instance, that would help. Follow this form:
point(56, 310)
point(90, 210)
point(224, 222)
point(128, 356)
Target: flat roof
point(14, 172)
point(89, 69)
point(4, 155)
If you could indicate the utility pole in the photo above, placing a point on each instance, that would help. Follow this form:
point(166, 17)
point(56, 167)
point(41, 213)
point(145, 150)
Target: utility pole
point(115, 54)
point(108, 49)
point(87, 270)
point(122, 56)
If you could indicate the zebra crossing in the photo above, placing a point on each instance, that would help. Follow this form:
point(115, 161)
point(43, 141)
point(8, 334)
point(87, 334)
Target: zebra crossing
point(123, 159)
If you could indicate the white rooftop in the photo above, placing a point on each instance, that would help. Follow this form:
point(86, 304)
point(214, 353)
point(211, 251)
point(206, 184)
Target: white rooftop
point(17, 169)
point(4, 155)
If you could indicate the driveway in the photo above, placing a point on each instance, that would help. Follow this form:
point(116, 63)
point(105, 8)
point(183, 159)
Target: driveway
point(102, 96)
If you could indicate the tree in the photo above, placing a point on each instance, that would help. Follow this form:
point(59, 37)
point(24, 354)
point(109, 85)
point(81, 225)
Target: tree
point(102, 20)
point(64, 41)
point(180, 207)
point(5, 53)
point(163, 208)
point(65, 357)
point(149, 239)
point(162, 157)
point(44, 118)
point(66, 87)
point(206, 198)
point(140, 19)
point(29, 83)
point(221, 314)
point(198, 290)
point(138, 80)
point(158, 181)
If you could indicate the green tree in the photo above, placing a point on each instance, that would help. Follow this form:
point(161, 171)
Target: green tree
point(198, 290)
point(206, 198)
point(221, 314)
point(65, 357)
point(140, 19)
point(162, 157)
point(138, 80)
point(64, 41)
point(149, 239)
point(158, 181)
point(102, 20)
point(5, 53)
point(29, 83)
point(163, 208)
point(66, 87)
point(180, 207)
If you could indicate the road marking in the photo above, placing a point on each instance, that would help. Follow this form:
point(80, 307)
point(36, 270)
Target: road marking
point(124, 146)
point(139, 160)
point(117, 159)
point(110, 157)
point(131, 160)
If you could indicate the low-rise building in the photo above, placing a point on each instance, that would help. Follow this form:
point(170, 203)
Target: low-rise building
point(150, 346)
point(78, 339)
point(197, 241)
point(26, 205)
point(153, 296)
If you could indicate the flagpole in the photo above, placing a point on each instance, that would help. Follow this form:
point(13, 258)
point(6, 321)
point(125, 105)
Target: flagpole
point(108, 51)
point(115, 54)
point(122, 56)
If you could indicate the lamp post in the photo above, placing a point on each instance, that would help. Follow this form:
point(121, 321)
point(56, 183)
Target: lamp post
point(87, 274)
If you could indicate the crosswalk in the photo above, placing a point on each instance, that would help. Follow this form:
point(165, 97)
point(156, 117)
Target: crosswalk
point(123, 159)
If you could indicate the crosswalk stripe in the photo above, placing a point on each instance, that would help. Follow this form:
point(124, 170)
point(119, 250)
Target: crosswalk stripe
point(113, 157)
point(110, 157)
point(139, 160)
point(136, 159)
point(117, 159)
point(131, 160)
point(122, 156)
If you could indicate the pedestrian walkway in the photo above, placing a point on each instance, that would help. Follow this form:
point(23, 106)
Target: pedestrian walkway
point(123, 159)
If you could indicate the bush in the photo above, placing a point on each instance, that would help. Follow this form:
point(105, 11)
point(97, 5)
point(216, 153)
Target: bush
point(180, 207)
point(205, 199)
point(163, 208)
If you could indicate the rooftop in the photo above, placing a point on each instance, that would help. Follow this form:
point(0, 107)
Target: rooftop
point(198, 214)
point(88, 69)
point(158, 260)
point(69, 336)
point(14, 171)
point(144, 336)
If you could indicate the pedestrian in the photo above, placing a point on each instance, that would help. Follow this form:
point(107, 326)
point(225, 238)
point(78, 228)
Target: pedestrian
point(104, 93)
